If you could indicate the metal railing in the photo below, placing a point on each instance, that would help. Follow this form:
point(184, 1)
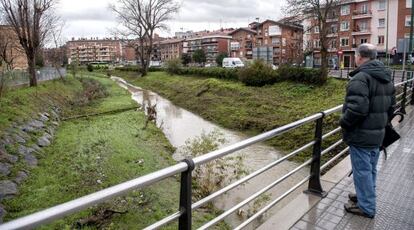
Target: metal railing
point(185, 168)
point(22, 77)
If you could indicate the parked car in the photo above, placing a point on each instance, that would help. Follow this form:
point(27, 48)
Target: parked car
point(232, 63)
point(155, 64)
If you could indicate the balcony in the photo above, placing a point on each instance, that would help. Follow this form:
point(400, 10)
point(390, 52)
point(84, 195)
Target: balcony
point(357, 31)
point(332, 35)
point(328, 20)
point(360, 14)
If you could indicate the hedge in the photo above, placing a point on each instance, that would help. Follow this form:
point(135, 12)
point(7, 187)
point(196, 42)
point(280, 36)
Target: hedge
point(214, 72)
point(301, 75)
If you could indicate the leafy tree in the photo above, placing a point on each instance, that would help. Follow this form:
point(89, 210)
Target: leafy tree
point(220, 57)
point(199, 56)
point(186, 59)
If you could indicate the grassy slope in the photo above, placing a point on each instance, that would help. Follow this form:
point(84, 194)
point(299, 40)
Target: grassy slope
point(251, 109)
point(110, 148)
point(23, 103)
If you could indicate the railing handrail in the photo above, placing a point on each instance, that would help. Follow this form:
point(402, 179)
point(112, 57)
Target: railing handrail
point(53, 213)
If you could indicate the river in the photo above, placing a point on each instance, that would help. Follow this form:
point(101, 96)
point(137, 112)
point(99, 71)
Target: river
point(180, 125)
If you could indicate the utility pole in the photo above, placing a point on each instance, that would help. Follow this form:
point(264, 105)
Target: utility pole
point(387, 55)
point(410, 46)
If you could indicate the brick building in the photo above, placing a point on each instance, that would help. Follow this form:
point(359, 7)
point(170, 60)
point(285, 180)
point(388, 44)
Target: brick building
point(278, 42)
point(212, 44)
point(85, 51)
point(11, 50)
point(241, 44)
point(353, 23)
point(170, 49)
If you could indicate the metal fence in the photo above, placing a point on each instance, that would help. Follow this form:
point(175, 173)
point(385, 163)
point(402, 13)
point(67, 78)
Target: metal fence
point(21, 77)
point(185, 168)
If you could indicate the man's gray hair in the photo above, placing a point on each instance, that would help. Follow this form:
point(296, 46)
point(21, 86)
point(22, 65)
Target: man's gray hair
point(367, 50)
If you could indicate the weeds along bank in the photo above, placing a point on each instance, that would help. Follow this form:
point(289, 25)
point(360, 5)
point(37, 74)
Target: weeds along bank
point(250, 109)
point(82, 155)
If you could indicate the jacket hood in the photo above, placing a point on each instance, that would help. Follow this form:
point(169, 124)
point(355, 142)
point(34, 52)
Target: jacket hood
point(375, 69)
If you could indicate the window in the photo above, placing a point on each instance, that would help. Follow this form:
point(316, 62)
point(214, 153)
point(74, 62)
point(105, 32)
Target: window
point(408, 20)
point(283, 41)
point(276, 41)
point(316, 30)
point(344, 41)
point(381, 22)
point(317, 43)
point(345, 26)
point(364, 8)
point(381, 40)
point(332, 44)
point(334, 29)
point(345, 10)
point(265, 41)
point(362, 26)
point(363, 40)
point(382, 4)
point(408, 3)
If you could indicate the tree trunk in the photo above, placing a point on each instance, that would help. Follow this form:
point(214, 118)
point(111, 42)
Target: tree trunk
point(324, 62)
point(32, 71)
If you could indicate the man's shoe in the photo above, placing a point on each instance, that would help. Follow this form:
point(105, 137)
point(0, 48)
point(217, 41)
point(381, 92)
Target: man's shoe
point(352, 197)
point(354, 209)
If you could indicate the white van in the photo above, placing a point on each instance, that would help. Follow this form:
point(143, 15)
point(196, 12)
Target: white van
point(232, 63)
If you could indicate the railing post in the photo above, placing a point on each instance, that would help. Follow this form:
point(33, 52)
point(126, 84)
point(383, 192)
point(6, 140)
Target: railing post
point(404, 97)
point(185, 220)
point(393, 76)
point(315, 186)
point(412, 89)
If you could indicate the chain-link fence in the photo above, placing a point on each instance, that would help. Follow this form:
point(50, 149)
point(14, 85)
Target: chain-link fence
point(19, 77)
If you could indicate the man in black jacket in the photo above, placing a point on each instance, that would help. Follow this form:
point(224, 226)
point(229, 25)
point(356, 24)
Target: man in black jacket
point(369, 104)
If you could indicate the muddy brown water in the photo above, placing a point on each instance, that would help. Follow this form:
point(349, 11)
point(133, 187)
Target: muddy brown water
point(180, 125)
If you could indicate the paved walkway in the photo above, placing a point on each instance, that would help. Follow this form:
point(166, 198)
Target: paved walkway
point(395, 193)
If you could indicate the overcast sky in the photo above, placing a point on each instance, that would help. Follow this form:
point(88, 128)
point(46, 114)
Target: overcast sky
point(87, 18)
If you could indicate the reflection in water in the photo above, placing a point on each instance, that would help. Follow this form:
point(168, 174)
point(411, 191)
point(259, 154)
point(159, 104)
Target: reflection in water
point(180, 125)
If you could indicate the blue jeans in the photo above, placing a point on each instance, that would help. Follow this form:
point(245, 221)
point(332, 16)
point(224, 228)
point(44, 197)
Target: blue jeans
point(364, 166)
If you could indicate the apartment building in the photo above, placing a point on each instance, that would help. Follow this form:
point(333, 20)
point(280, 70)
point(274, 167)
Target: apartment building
point(277, 42)
point(242, 41)
point(352, 23)
point(85, 51)
point(212, 44)
point(12, 55)
point(170, 49)
point(402, 29)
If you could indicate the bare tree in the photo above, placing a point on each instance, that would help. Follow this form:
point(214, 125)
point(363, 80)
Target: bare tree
point(140, 19)
point(31, 20)
point(57, 53)
point(8, 49)
point(318, 12)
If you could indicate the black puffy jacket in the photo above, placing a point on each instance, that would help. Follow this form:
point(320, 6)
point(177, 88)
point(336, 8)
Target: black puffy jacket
point(369, 103)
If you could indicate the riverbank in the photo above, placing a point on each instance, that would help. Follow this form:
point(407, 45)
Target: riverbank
point(248, 109)
point(95, 152)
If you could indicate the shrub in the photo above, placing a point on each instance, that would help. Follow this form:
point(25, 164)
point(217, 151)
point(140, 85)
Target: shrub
point(302, 75)
point(89, 68)
point(258, 74)
point(214, 72)
point(137, 69)
point(174, 66)
point(213, 175)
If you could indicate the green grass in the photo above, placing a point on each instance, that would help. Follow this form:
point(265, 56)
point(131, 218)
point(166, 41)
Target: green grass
point(94, 153)
point(249, 109)
point(24, 103)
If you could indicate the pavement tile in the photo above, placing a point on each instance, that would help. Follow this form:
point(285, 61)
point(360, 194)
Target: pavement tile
point(395, 193)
